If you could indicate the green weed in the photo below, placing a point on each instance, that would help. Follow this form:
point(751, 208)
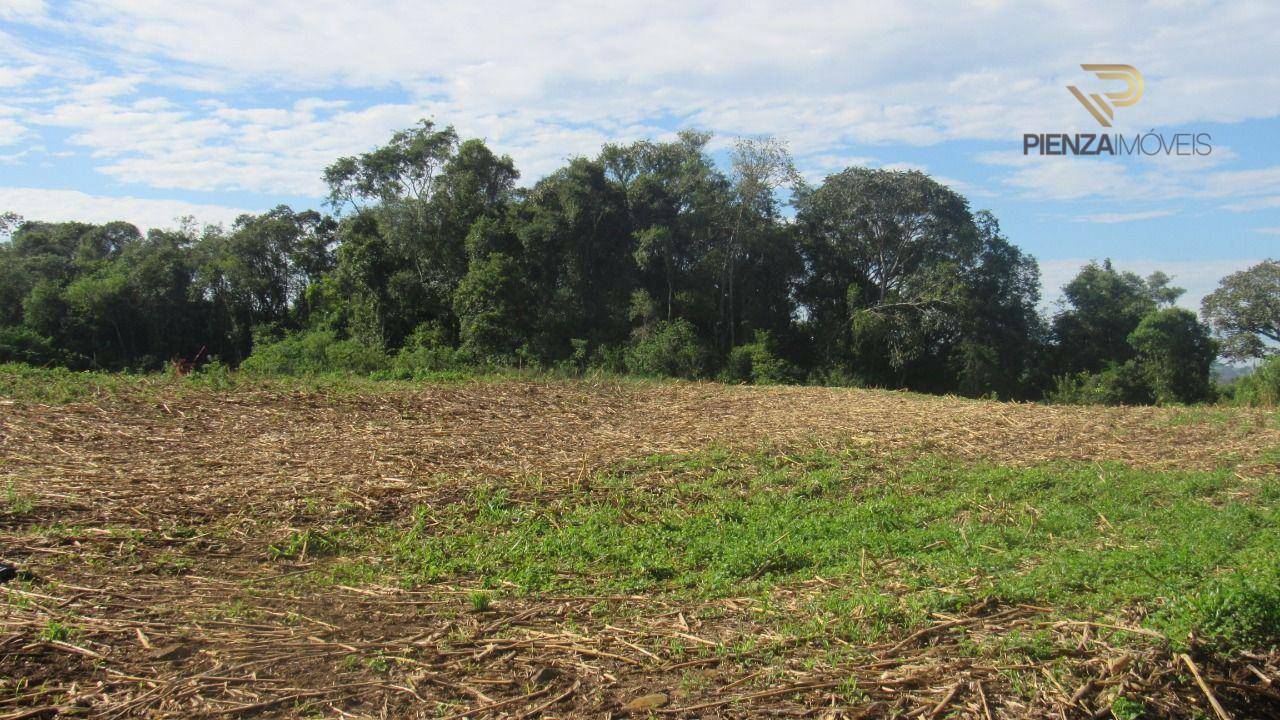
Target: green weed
point(1176, 547)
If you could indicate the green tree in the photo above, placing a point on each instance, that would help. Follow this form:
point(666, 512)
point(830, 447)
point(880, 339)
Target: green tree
point(1003, 336)
point(405, 168)
point(1245, 311)
point(577, 247)
point(1102, 306)
point(418, 195)
point(1175, 352)
point(887, 253)
point(258, 273)
point(9, 221)
point(677, 201)
point(492, 305)
point(361, 301)
point(752, 242)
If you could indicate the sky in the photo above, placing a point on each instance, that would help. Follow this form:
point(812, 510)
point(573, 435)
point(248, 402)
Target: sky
point(149, 110)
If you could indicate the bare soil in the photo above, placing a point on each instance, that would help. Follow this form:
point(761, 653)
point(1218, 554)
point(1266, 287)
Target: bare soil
point(147, 521)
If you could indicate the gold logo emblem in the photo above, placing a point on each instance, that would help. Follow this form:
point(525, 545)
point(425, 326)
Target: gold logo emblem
point(1097, 105)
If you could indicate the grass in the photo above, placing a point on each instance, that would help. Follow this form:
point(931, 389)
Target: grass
point(304, 544)
point(480, 600)
point(58, 386)
point(836, 553)
point(1183, 553)
point(55, 631)
point(15, 502)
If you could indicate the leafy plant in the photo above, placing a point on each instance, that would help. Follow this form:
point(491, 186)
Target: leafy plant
point(480, 600)
point(670, 349)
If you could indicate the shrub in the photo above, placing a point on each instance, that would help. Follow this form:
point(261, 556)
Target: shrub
point(426, 353)
point(836, 377)
point(1123, 384)
point(668, 348)
point(21, 344)
point(610, 359)
point(756, 363)
point(312, 352)
point(1175, 351)
point(214, 375)
point(1259, 388)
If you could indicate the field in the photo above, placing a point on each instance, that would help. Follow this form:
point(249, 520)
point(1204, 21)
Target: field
point(520, 548)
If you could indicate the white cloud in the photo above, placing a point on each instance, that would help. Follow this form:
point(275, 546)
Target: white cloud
point(11, 131)
point(1199, 65)
point(63, 205)
point(1267, 230)
point(1138, 178)
point(1252, 204)
point(15, 76)
point(544, 81)
point(1108, 218)
point(1074, 179)
point(22, 9)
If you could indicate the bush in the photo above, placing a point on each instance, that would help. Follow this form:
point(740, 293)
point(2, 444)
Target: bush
point(214, 375)
point(610, 359)
point(670, 349)
point(1259, 388)
point(756, 363)
point(312, 352)
point(426, 353)
point(20, 344)
point(1124, 384)
point(1175, 352)
point(836, 377)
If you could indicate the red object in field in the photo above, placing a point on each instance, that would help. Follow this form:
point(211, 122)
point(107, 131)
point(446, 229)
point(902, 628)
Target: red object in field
point(183, 366)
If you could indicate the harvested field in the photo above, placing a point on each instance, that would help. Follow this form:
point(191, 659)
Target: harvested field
point(266, 551)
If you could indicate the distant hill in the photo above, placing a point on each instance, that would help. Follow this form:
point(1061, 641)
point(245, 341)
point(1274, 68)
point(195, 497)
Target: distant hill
point(1223, 373)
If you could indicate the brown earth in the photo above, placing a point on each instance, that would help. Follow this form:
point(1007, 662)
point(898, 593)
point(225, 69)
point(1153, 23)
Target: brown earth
point(151, 516)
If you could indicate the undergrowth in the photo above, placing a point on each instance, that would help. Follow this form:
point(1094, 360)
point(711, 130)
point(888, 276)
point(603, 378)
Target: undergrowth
point(1192, 555)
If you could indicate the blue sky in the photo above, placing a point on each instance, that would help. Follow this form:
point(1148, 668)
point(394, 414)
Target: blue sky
point(148, 110)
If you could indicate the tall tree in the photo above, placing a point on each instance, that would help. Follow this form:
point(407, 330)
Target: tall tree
point(9, 221)
point(677, 201)
point(1174, 351)
point(258, 273)
point(759, 167)
point(1245, 311)
point(419, 195)
point(405, 168)
point(1101, 307)
point(577, 244)
point(1004, 338)
point(887, 253)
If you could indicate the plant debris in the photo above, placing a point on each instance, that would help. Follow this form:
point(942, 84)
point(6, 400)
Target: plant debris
point(158, 531)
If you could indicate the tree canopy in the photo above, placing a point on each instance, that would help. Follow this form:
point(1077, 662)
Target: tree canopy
point(1245, 311)
point(651, 257)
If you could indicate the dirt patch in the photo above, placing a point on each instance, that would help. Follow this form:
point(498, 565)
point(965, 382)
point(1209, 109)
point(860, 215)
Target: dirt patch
point(209, 455)
point(148, 522)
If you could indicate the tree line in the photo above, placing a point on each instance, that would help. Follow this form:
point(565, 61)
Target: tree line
point(650, 258)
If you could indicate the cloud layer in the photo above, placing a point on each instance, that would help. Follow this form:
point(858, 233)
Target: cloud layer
point(240, 95)
point(64, 205)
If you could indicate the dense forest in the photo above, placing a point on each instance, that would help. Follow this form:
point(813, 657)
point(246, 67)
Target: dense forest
point(650, 258)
